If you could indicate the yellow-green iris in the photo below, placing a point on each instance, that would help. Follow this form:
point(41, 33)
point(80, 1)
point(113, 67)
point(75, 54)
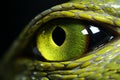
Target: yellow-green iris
point(73, 45)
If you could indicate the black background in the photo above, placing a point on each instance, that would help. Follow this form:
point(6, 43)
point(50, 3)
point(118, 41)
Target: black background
point(18, 14)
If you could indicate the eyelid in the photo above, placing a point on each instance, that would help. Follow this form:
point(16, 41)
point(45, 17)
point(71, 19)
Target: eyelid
point(76, 11)
point(84, 15)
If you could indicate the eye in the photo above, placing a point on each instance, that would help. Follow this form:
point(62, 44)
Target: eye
point(68, 39)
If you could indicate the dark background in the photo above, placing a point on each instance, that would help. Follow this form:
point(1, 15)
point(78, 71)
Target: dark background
point(18, 14)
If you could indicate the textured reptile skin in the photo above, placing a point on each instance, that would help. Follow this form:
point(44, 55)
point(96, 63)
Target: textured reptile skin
point(100, 64)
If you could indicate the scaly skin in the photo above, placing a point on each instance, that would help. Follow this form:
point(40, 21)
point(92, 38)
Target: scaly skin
point(100, 64)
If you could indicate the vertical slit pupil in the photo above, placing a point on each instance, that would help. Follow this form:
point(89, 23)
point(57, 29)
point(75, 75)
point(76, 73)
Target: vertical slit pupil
point(58, 36)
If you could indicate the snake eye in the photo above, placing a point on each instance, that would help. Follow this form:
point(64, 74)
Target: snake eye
point(67, 39)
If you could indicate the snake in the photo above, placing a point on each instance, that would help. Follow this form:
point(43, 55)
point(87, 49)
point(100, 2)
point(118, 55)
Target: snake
point(100, 63)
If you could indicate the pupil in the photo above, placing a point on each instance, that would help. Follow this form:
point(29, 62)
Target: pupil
point(58, 36)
